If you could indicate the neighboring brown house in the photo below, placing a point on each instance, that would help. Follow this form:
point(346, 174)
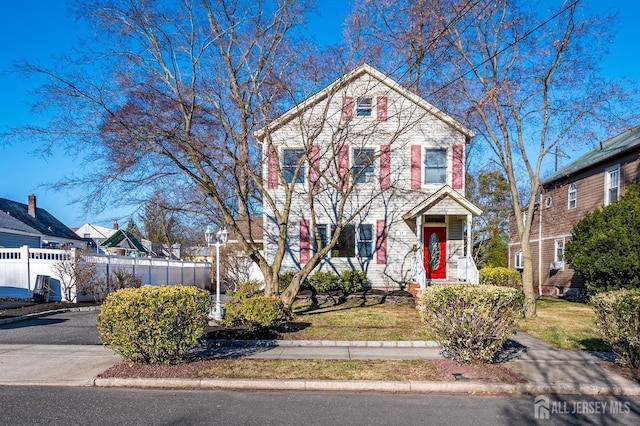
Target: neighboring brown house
point(592, 181)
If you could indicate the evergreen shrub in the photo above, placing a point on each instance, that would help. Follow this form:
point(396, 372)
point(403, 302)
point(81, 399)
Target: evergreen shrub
point(153, 324)
point(503, 277)
point(471, 322)
point(618, 319)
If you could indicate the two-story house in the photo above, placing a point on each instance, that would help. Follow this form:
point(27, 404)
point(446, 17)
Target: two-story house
point(389, 165)
point(592, 181)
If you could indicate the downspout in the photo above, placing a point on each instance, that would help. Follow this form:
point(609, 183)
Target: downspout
point(540, 244)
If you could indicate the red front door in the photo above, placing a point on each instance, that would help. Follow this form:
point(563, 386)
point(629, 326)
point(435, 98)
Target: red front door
point(435, 252)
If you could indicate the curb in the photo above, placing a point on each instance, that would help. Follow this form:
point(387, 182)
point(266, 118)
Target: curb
point(366, 386)
point(327, 343)
point(47, 313)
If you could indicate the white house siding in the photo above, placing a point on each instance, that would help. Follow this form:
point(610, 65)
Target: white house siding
point(407, 125)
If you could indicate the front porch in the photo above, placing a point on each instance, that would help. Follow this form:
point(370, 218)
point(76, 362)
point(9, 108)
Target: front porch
point(443, 246)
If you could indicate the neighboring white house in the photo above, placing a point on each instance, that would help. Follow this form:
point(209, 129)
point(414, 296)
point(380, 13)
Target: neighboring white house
point(406, 161)
point(94, 235)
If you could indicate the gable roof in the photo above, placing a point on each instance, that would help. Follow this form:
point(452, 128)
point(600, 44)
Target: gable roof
point(43, 222)
point(10, 224)
point(604, 151)
point(350, 77)
point(444, 193)
point(124, 239)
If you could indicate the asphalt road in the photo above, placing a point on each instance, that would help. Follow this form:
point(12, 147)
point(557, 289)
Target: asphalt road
point(68, 328)
point(100, 406)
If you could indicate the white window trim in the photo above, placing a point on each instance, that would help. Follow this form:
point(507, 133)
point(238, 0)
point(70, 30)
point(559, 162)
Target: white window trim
point(373, 240)
point(559, 263)
point(607, 175)
point(302, 171)
point(573, 189)
point(448, 162)
point(376, 155)
point(517, 260)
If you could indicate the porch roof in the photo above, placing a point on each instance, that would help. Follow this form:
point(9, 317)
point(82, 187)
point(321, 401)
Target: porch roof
point(445, 201)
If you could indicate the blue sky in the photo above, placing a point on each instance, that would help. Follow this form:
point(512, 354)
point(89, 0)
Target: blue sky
point(40, 29)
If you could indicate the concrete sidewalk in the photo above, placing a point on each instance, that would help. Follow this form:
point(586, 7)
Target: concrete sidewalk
point(547, 370)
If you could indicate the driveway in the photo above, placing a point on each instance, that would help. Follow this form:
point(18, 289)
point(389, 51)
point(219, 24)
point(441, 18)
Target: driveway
point(67, 328)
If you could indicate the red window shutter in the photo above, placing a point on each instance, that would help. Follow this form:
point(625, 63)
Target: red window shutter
point(385, 166)
point(416, 181)
point(347, 108)
point(314, 169)
point(381, 241)
point(343, 166)
point(458, 168)
point(272, 165)
point(381, 107)
point(304, 241)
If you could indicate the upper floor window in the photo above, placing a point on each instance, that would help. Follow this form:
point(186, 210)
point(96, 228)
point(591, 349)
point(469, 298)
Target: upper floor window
point(290, 160)
point(573, 195)
point(363, 107)
point(363, 165)
point(611, 185)
point(435, 165)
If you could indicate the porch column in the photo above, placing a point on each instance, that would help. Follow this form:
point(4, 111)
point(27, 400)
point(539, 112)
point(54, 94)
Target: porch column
point(469, 246)
point(419, 229)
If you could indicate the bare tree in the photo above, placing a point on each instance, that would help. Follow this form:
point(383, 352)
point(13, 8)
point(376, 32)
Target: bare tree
point(525, 79)
point(169, 97)
point(530, 83)
point(76, 275)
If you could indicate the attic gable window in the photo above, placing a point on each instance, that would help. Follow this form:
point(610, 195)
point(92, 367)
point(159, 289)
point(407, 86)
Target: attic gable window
point(363, 107)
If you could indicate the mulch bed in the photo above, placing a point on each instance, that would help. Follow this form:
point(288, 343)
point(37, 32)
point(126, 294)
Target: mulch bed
point(35, 307)
point(626, 372)
point(447, 370)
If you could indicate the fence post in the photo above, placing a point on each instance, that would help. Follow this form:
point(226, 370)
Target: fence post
point(25, 268)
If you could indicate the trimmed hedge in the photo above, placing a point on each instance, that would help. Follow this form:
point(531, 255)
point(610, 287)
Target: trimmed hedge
point(618, 319)
point(256, 312)
point(503, 277)
point(352, 281)
point(471, 322)
point(153, 324)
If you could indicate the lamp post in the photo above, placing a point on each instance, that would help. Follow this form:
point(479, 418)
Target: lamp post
point(221, 240)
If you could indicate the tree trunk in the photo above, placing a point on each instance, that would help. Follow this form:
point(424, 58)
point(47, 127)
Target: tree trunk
point(527, 279)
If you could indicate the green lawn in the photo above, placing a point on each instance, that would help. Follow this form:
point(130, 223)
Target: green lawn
point(352, 321)
point(565, 325)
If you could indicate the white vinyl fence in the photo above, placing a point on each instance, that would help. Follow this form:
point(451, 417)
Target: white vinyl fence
point(19, 268)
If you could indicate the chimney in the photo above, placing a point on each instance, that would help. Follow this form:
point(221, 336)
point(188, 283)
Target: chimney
point(32, 205)
point(115, 225)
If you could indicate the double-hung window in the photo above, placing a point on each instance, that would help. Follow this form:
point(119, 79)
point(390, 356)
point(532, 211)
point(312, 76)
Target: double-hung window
point(518, 263)
point(290, 159)
point(435, 165)
point(322, 237)
point(573, 195)
point(363, 165)
point(365, 240)
point(611, 185)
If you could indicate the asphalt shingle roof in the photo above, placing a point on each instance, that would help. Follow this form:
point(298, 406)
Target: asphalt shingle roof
point(44, 223)
point(608, 149)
